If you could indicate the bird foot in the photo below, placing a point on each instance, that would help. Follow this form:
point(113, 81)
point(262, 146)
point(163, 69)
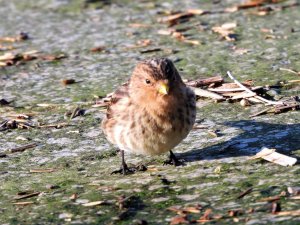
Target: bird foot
point(125, 170)
point(173, 160)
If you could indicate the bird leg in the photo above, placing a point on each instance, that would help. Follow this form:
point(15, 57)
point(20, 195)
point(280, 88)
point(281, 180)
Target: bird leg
point(173, 160)
point(124, 168)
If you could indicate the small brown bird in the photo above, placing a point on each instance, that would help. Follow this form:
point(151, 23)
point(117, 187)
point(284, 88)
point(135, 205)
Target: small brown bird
point(152, 113)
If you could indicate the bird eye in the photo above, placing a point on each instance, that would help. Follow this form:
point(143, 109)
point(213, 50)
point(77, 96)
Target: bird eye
point(147, 81)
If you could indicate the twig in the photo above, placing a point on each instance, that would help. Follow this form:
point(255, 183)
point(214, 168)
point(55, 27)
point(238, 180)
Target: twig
point(248, 191)
point(205, 82)
point(57, 126)
point(289, 70)
point(27, 196)
point(41, 170)
point(248, 90)
point(23, 148)
point(74, 113)
point(260, 112)
point(23, 203)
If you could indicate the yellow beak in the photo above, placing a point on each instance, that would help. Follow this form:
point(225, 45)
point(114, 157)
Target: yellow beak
point(163, 89)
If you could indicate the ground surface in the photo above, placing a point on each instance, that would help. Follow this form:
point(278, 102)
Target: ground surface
point(217, 169)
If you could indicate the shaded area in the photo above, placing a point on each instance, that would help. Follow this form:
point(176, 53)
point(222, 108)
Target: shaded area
point(255, 136)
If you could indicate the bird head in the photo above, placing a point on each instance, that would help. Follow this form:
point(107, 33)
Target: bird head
point(154, 78)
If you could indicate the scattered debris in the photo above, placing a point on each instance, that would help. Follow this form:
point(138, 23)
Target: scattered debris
point(9, 58)
point(272, 156)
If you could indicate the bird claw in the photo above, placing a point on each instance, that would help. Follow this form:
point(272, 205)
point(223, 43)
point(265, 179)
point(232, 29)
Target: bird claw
point(125, 170)
point(173, 161)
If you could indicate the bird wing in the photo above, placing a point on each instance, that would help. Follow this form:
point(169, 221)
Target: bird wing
point(120, 93)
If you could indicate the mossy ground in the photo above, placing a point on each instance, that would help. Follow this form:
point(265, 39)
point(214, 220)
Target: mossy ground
point(217, 169)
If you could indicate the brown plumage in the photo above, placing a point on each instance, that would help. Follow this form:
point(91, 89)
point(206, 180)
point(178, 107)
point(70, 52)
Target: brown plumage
point(152, 112)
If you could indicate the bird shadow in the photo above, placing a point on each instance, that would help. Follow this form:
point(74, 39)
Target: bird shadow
point(283, 137)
